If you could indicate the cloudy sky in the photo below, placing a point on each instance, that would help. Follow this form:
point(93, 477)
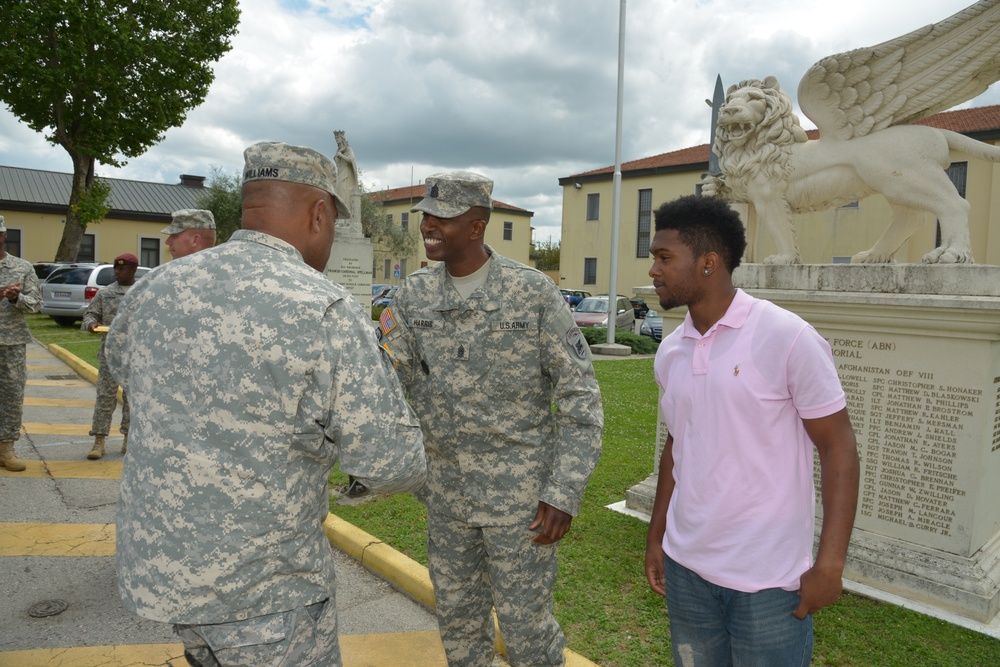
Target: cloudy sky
point(523, 91)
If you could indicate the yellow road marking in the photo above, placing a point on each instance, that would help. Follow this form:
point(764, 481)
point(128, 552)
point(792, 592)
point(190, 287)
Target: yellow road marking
point(414, 649)
point(46, 368)
point(38, 428)
point(59, 383)
point(57, 539)
point(58, 402)
point(68, 469)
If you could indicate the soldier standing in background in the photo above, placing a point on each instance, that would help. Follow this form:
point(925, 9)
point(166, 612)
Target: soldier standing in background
point(250, 373)
point(191, 230)
point(485, 347)
point(18, 295)
point(100, 313)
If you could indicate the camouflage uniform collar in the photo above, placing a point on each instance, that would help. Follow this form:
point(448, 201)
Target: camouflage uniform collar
point(487, 297)
point(274, 242)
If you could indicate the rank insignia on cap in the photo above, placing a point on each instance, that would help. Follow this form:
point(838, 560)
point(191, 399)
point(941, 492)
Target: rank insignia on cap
point(434, 192)
point(387, 321)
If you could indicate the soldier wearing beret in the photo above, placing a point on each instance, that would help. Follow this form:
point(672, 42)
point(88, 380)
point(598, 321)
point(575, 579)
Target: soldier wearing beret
point(485, 347)
point(100, 313)
point(250, 374)
point(18, 295)
point(190, 230)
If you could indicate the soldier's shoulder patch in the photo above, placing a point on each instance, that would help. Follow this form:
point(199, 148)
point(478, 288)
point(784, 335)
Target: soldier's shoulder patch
point(387, 321)
point(577, 343)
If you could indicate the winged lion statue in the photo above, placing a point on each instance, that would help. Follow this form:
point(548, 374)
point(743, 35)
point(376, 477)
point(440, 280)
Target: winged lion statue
point(862, 103)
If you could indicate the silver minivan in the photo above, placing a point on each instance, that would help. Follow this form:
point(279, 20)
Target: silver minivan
point(67, 291)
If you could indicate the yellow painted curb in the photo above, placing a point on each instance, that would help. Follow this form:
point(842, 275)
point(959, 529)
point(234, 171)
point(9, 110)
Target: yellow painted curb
point(85, 370)
point(404, 572)
point(57, 539)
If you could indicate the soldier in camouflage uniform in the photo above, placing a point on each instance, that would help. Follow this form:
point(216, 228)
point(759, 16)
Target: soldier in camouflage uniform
point(100, 313)
point(190, 230)
point(485, 346)
point(250, 373)
point(18, 295)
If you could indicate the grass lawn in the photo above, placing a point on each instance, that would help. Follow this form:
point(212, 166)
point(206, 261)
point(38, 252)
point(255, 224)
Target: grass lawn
point(601, 597)
point(81, 343)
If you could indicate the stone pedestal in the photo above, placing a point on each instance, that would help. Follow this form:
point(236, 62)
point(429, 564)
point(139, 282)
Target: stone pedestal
point(350, 262)
point(918, 352)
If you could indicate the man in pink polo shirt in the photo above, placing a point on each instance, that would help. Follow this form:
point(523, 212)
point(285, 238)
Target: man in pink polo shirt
point(748, 390)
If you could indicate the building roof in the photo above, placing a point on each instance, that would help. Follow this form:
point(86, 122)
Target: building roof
point(415, 193)
point(40, 191)
point(979, 122)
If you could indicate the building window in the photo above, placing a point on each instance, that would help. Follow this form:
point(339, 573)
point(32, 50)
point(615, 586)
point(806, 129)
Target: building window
point(404, 220)
point(508, 230)
point(387, 272)
point(14, 242)
point(589, 270)
point(958, 172)
point(402, 268)
point(645, 216)
point(593, 206)
point(88, 248)
point(149, 251)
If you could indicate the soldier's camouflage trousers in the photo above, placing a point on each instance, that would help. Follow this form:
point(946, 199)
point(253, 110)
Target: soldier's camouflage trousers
point(13, 376)
point(476, 569)
point(107, 399)
point(304, 637)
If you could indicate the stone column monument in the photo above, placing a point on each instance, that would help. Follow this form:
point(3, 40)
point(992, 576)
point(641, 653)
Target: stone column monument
point(350, 262)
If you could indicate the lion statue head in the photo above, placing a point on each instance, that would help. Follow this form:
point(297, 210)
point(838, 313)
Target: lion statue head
point(755, 131)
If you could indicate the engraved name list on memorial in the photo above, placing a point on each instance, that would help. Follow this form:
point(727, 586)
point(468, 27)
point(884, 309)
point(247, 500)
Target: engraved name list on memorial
point(918, 422)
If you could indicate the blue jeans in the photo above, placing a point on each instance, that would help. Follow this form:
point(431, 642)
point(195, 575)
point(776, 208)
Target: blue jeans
point(712, 626)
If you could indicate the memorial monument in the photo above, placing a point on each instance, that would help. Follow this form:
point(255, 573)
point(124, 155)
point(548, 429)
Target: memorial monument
point(917, 346)
point(350, 262)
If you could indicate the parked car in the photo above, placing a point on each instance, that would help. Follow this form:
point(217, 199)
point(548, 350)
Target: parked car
point(378, 289)
point(44, 269)
point(640, 308)
point(593, 312)
point(652, 325)
point(385, 298)
point(574, 296)
point(67, 291)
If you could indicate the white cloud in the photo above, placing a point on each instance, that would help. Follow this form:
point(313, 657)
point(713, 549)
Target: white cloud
point(521, 91)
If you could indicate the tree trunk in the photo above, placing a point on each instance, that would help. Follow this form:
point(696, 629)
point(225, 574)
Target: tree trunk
point(83, 178)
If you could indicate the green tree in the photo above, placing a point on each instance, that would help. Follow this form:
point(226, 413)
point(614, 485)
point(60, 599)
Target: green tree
point(546, 255)
point(105, 79)
point(222, 197)
point(387, 238)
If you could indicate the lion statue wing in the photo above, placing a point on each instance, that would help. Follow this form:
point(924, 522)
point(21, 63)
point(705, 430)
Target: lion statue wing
point(924, 72)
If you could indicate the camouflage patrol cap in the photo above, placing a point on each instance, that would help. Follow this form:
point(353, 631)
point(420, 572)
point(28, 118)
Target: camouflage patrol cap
point(189, 218)
point(2, 227)
point(273, 160)
point(451, 194)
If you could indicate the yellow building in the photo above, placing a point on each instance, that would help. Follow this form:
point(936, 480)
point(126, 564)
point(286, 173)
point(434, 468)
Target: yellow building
point(34, 203)
point(825, 237)
point(508, 232)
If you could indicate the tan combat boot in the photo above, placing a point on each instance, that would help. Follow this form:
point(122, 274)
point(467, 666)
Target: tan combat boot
point(97, 451)
point(124, 443)
point(8, 459)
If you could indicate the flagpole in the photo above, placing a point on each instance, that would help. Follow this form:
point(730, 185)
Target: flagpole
point(616, 191)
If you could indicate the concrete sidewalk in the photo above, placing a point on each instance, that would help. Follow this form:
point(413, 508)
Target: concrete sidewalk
point(57, 547)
